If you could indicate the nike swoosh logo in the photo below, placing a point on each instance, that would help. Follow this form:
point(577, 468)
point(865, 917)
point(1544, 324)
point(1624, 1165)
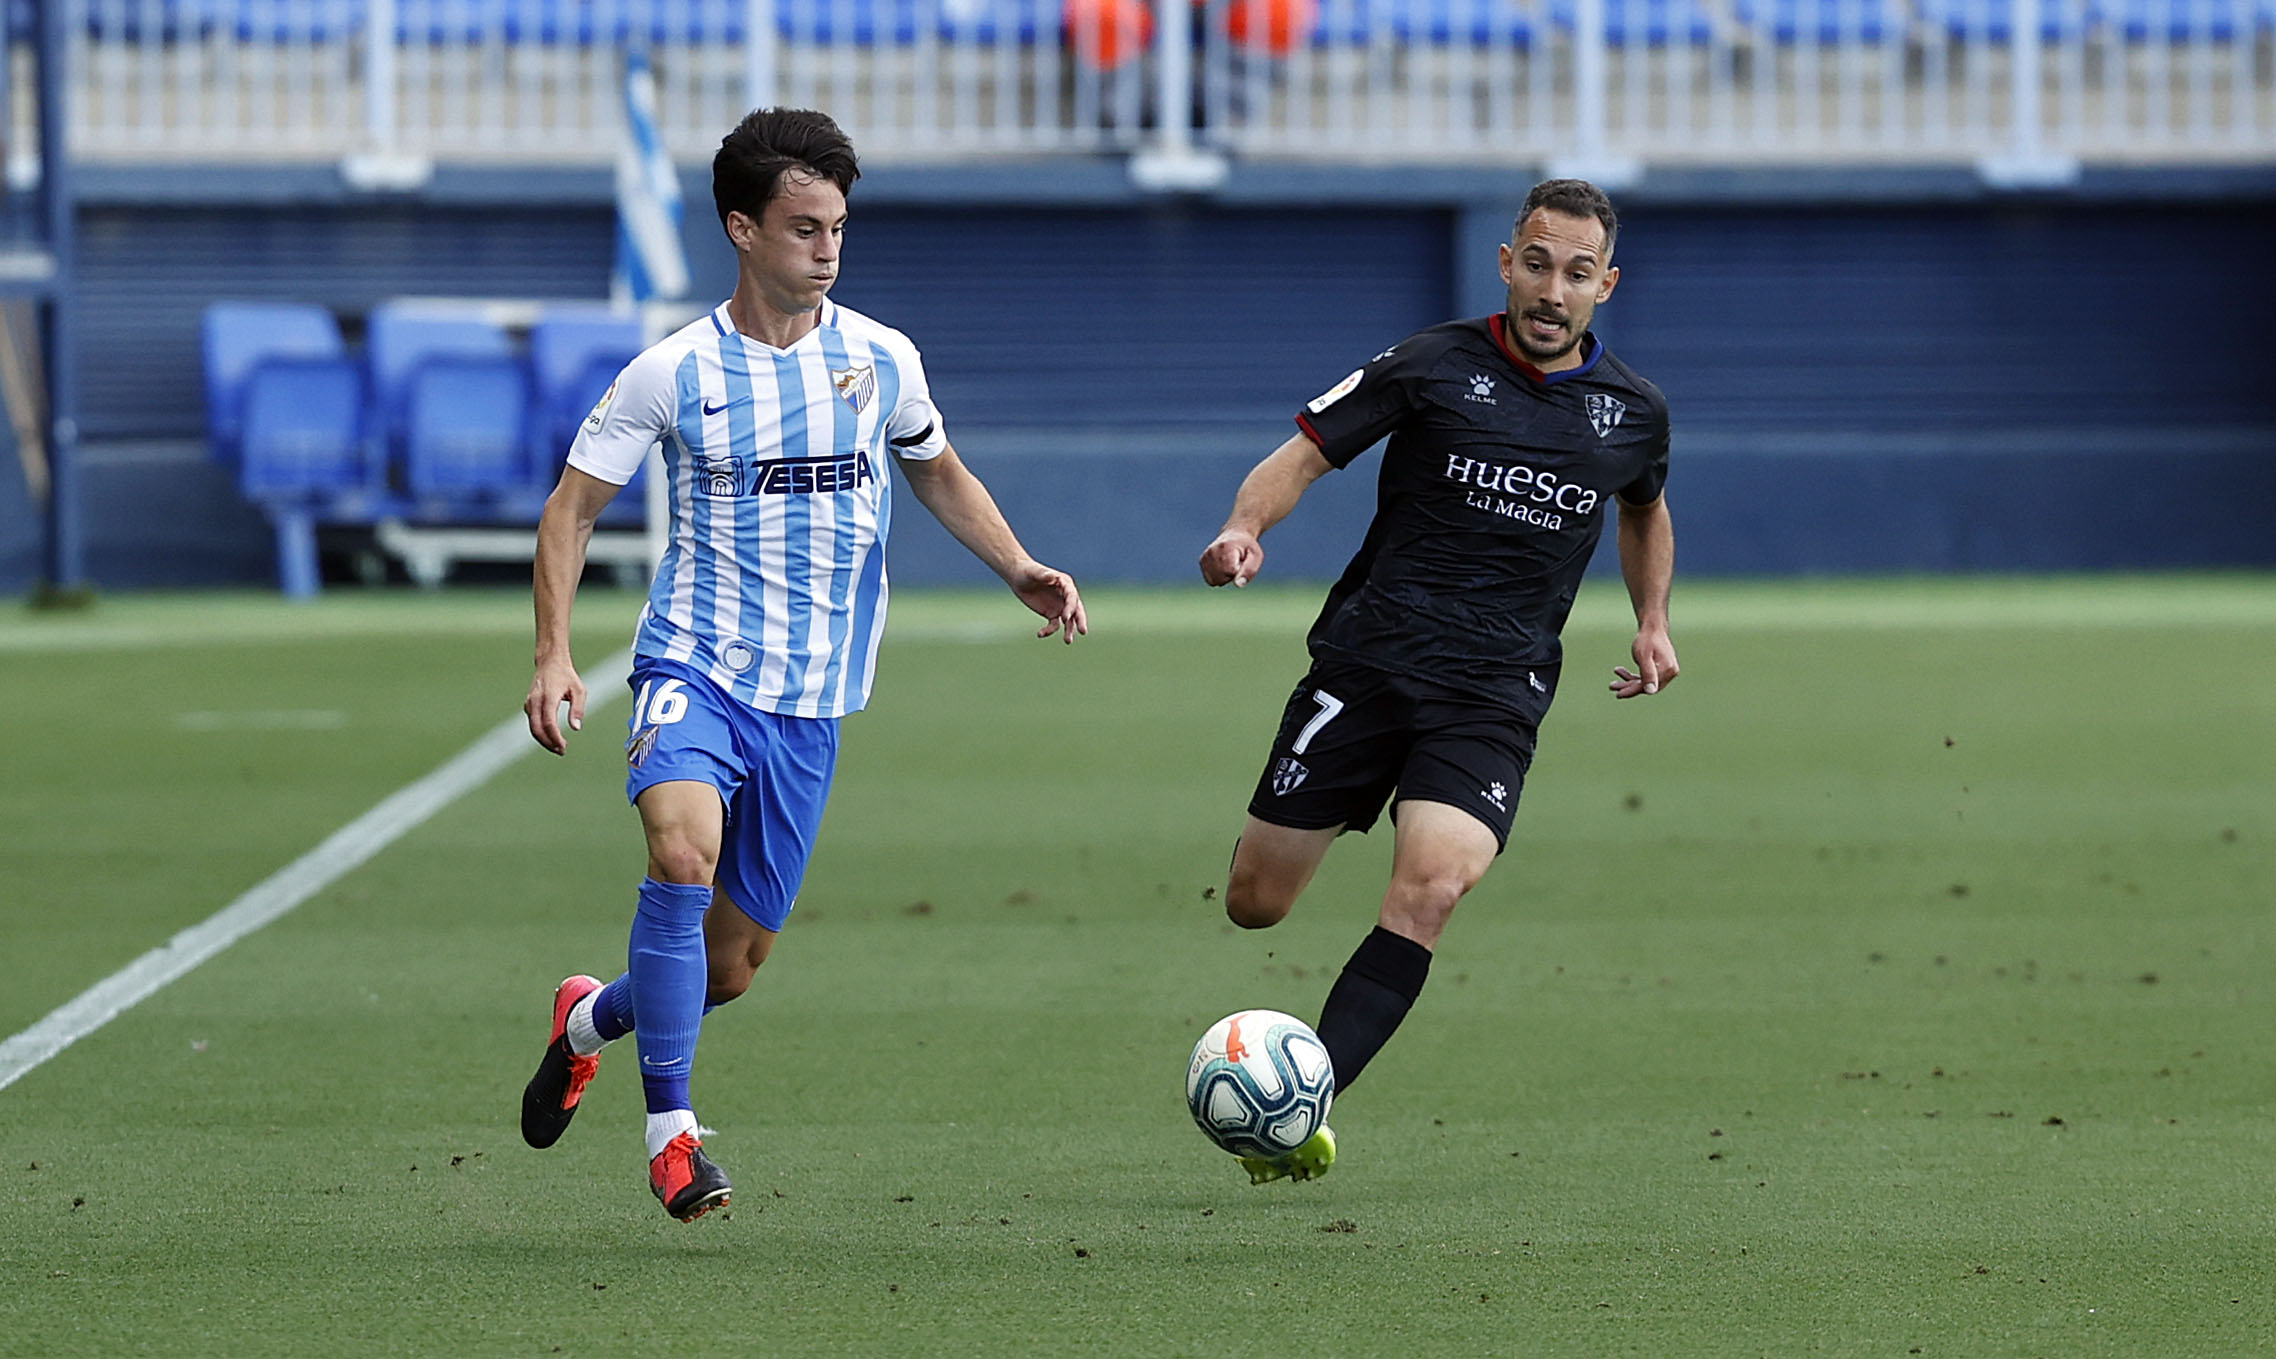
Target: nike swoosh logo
point(709, 409)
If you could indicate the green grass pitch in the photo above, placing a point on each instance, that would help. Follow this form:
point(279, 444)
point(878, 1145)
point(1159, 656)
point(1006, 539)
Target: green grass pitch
point(1899, 982)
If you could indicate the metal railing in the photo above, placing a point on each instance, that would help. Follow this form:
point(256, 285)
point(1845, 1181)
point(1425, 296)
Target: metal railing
point(2025, 87)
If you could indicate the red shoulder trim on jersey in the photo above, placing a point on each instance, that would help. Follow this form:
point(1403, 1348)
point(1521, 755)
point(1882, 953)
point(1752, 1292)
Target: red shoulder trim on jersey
point(1305, 424)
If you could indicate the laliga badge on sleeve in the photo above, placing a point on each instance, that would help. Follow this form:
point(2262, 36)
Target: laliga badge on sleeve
point(1336, 393)
point(600, 410)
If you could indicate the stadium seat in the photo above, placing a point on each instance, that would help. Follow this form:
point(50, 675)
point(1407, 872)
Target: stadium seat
point(860, 22)
point(1820, 22)
point(284, 22)
point(2185, 21)
point(304, 454)
point(583, 23)
point(140, 21)
point(1439, 22)
point(1358, 23)
point(574, 353)
point(303, 430)
point(291, 21)
point(995, 21)
point(463, 435)
point(237, 337)
point(1993, 21)
point(1644, 23)
point(401, 338)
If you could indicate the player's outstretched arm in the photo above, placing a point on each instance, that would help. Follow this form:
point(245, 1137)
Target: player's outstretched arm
point(1267, 494)
point(1647, 563)
point(563, 532)
point(959, 500)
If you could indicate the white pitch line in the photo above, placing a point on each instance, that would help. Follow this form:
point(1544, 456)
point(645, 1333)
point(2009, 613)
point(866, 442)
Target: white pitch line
point(340, 854)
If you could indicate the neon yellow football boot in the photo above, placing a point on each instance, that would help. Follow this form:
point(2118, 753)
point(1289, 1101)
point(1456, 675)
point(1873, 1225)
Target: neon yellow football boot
point(1308, 1162)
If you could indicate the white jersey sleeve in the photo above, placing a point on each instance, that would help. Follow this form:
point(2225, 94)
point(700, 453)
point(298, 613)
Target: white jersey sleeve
point(638, 409)
point(913, 428)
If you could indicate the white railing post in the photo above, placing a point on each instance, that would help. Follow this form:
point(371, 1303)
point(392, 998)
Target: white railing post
point(1590, 157)
point(1171, 163)
point(379, 164)
point(1590, 88)
point(758, 53)
point(379, 78)
point(1173, 69)
point(2027, 163)
point(2023, 99)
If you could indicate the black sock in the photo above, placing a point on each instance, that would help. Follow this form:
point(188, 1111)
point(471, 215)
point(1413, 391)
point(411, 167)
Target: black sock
point(1367, 1002)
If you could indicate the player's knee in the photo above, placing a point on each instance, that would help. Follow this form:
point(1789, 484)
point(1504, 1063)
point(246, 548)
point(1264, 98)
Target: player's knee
point(1431, 894)
point(1254, 904)
point(729, 981)
point(681, 860)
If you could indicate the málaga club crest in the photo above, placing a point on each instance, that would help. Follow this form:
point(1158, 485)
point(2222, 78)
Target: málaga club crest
point(856, 384)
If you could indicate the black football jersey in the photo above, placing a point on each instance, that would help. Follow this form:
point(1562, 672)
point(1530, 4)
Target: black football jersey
point(1495, 484)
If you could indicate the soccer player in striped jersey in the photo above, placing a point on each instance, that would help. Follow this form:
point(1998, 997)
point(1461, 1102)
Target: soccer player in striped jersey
point(778, 413)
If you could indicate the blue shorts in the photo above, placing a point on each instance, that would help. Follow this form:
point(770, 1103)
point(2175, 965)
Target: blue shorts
point(772, 773)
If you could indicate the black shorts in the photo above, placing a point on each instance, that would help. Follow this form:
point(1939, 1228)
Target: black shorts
point(1352, 735)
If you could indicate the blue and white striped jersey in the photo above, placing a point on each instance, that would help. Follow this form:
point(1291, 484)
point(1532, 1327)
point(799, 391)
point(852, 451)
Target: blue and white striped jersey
point(781, 497)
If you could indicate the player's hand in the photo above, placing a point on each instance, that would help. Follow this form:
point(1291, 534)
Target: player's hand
point(1656, 667)
point(1051, 594)
point(555, 683)
point(1234, 559)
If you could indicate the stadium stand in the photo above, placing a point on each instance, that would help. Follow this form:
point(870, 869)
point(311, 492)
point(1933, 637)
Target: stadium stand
point(1944, 152)
point(1645, 23)
point(442, 435)
point(238, 338)
point(404, 340)
point(1827, 23)
point(574, 354)
point(303, 433)
point(465, 444)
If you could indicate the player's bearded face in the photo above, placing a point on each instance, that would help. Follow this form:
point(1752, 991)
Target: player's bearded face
point(1557, 272)
point(791, 252)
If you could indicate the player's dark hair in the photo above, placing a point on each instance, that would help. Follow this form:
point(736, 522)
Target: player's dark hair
point(746, 175)
point(1573, 198)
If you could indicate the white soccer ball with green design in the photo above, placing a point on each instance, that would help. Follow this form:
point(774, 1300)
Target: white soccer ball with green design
point(1259, 1083)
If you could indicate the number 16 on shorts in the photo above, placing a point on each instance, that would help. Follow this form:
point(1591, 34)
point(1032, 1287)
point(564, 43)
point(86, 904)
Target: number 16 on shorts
point(659, 704)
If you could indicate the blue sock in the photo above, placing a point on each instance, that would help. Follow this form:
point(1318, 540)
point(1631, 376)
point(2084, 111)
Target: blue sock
point(612, 1009)
point(669, 975)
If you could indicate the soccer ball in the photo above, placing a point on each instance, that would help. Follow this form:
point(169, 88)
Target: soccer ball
point(1259, 1083)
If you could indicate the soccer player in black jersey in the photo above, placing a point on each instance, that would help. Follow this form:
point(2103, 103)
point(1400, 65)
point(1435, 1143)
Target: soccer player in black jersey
point(1437, 654)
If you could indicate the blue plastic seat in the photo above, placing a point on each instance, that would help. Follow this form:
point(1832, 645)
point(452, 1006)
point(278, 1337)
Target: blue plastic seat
point(1644, 23)
point(2185, 21)
point(1821, 22)
point(1993, 21)
point(140, 21)
point(993, 21)
point(303, 430)
point(574, 354)
point(305, 456)
point(1359, 23)
point(400, 339)
point(463, 435)
point(237, 337)
point(584, 23)
point(290, 21)
point(453, 21)
point(860, 22)
point(1480, 22)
